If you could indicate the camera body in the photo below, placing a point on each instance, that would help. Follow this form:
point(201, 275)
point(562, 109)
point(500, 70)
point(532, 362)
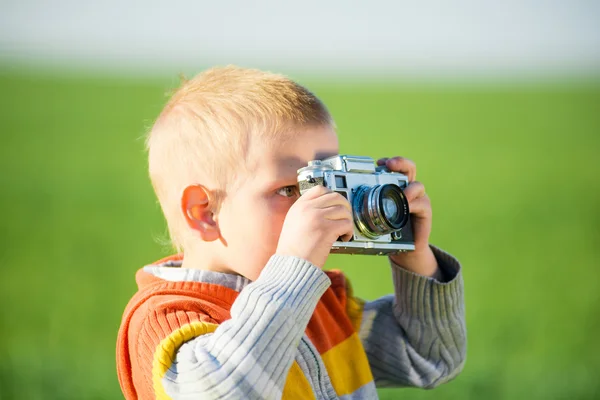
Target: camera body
point(380, 210)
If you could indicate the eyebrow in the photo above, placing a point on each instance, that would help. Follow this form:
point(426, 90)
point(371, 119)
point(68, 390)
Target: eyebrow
point(324, 155)
point(285, 181)
point(288, 167)
point(285, 172)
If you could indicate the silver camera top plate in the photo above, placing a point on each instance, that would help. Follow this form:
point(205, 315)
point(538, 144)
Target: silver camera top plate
point(351, 163)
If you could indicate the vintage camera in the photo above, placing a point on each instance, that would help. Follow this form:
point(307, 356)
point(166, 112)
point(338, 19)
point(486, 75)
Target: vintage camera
point(380, 209)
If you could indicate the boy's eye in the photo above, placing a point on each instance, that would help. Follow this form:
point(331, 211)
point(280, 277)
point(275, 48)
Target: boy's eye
point(288, 191)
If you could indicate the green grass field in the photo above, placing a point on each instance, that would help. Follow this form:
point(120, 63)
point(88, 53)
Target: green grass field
point(512, 171)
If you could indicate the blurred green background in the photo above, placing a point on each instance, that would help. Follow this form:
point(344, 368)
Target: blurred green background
point(512, 171)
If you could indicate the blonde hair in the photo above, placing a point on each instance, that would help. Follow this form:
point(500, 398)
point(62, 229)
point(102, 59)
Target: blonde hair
point(205, 132)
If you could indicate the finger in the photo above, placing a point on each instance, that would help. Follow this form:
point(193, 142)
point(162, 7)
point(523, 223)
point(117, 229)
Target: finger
point(404, 166)
point(331, 199)
point(336, 212)
point(421, 207)
point(346, 237)
point(382, 161)
point(342, 228)
point(315, 192)
point(414, 190)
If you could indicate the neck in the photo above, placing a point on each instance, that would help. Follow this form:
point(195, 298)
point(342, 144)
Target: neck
point(203, 257)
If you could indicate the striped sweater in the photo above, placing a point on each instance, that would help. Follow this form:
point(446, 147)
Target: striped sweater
point(296, 332)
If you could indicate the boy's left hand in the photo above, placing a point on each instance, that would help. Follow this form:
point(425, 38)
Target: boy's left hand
point(421, 260)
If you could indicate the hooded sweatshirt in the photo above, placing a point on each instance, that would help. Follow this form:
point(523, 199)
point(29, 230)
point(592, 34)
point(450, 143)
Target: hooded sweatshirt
point(295, 332)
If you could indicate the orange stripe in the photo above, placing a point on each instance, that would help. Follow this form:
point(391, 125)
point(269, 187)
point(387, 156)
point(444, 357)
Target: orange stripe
point(330, 325)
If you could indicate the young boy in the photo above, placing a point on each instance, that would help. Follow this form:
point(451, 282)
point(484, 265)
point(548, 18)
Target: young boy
point(248, 313)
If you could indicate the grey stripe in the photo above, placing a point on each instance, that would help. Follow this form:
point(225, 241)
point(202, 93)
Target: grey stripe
point(170, 272)
point(417, 337)
point(365, 392)
point(249, 355)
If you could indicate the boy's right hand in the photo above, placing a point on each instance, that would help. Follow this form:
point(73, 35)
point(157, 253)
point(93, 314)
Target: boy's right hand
point(316, 220)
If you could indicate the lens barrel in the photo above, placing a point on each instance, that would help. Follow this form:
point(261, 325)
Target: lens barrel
point(380, 209)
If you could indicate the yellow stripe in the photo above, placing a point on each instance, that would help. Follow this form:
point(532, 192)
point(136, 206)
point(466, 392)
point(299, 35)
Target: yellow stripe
point(354, 307)
point(166, 349)
point(348, 366)
point(296, 385)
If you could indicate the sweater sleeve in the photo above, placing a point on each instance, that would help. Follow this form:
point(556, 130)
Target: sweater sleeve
point(417, 337)
point(249, 355)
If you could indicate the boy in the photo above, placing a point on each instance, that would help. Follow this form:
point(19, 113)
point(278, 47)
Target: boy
point(248, 313)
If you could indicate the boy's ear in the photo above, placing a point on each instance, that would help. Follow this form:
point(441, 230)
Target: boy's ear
point(197, 207)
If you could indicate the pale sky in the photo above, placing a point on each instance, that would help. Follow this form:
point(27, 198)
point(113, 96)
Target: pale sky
point(459, 37)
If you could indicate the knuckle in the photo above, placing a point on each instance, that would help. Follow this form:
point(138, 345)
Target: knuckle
point(329, 195)
point(316, 191)
point(322, 229)
point(314, 216)
point(417, 185)
point(323, 189)
point(298, 207)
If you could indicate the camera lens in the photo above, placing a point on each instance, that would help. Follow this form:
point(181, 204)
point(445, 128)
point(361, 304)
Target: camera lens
point(390, 210)
point(380, 209)
point(394, 206)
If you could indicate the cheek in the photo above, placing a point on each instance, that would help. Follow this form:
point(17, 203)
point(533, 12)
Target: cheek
point(276, 226)
point(254, 231)
point(275, 216)
point(258, 223)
